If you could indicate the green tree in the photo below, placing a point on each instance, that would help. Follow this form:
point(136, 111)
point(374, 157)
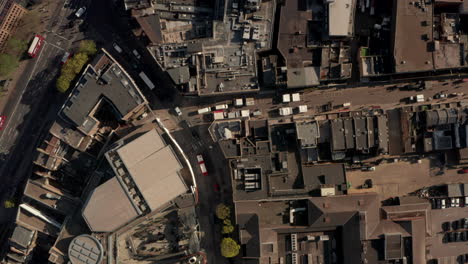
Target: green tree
point(227, 227)
point(223, 211)
point(9, 203)
point(63, 82)
point(88, 47)
point(77, 62)
point(8, 64)
point(229, 247)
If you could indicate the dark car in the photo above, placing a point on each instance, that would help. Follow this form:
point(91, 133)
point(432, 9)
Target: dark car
point(446, 226)
point(451, 237)
point(457, 236)
point(462, 259)
point(464, 223)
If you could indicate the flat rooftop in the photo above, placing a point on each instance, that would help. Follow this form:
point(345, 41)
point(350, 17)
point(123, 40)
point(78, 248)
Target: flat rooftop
point(341, 18)
point(292, 35)
point(147, 175)
point(113, 85)
point(108, 207)
point(413, 33)
point(58, 202)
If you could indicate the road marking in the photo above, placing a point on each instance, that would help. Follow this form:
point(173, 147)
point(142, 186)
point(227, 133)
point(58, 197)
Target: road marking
point(24, 90)
point(54, 45)
point(60, 16)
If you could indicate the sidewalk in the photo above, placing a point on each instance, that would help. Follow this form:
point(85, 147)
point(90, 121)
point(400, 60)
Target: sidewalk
point(46, 7)
point(5, 97)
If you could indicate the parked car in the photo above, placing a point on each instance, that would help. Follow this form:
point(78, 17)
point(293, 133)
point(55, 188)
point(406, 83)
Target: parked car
point(368, 168)
point(204, 110)
point(457, 236)
point(463, 171)
point(455, 225)
point(451, 237)
point(465, 223)
point(136, 54)
point(2, 121)
point(80, 12)
point(117, 47)
point(446, 226)
point(178, 111)
point(443, 205)
point(65, 57)
point(201, 163)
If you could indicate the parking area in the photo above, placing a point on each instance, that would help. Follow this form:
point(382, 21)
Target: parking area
point(402, 178)
point(449, 235)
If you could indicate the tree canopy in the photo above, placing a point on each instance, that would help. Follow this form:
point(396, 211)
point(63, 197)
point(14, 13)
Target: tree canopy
point(88, 47)
point(223, 211)
point(227, 227)
point(75, 65)
point(229, 247)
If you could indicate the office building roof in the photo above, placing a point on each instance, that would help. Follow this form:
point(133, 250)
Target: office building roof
point(455, 190)
point(179, 75)
point(151, 25)
point(158, 179)
point(140, 148)
point(22, 236)
point(147, 175)
point(411, 37)
point(340, 18)
point(292, 34)
point(113, 85)
point(307, 133)
point(303, 77)
point(108, 207)
point(332, 175)
point(393, 246)
point(153, 167)
point(85, 249)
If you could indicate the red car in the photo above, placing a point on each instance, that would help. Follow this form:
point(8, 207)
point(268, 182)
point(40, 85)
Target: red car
point(201, 163)
point(463, 171)
point(2, 121)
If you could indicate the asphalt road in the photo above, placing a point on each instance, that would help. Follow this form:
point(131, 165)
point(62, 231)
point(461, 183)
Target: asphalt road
point(33, 105)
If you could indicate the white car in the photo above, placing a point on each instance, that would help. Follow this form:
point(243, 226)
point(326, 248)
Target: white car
point(80, 12)
point(178, 111)
point(136, 54)
point(117, 47)
point(443, 205)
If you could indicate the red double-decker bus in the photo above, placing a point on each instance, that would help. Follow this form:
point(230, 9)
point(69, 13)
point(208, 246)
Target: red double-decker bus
point(35, 46)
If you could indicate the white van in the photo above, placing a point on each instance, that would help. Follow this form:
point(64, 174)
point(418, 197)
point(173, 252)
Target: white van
point(117, 47)
point(221, 107)
point(204, 110)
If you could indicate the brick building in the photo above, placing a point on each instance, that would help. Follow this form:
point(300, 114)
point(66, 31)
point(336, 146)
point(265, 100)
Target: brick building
point(10, 15)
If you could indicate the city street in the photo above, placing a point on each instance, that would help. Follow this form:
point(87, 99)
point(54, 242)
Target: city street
point(32, 106)
point(35, 102)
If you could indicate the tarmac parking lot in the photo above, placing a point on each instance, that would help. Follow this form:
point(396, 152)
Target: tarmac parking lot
point(401, 178)
point(436, 247)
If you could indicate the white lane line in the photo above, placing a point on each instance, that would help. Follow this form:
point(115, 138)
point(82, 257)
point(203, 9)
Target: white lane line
point(54, 45)
point(24, 90)
point(60, 16)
